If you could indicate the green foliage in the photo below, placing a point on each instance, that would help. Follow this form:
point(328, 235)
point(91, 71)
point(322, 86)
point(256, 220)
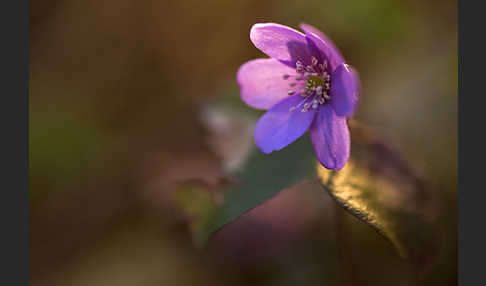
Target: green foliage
point(260, 178)
point(377, 186)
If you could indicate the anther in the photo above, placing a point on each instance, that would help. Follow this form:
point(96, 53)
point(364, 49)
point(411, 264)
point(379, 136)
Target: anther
point(310, 69)
point(316, 85)
point(299, 67)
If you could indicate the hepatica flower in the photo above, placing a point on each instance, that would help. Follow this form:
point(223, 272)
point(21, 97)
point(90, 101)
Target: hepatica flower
point(304, 85)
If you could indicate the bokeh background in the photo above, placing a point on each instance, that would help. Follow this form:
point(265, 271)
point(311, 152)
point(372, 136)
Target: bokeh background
point(116, 92)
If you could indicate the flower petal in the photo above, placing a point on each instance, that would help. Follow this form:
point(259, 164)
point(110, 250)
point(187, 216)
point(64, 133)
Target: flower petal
point(336, 54)
point(345, 89)
point(329, 134)
point(280, 42)
point(279, 126)
point(262, 84)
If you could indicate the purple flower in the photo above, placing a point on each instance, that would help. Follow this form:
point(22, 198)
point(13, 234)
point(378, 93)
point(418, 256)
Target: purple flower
point(304, 85)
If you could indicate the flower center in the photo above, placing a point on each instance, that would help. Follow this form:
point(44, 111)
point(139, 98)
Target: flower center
point(312, 82)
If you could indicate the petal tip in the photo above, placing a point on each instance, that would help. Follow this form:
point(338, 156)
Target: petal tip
point(254, 30)
point(330, 139)
point(335, 166)
point(307, 28)
point(265, 148)
point(280, 42)
point(260, 82)
point(239, 73)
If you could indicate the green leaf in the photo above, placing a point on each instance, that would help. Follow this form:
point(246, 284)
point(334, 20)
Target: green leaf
point(379, 188)
point(376, 185)
point(261, 177)
point(251, 177)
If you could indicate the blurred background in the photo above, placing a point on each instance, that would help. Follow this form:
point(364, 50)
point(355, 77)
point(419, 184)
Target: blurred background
point(116, 93)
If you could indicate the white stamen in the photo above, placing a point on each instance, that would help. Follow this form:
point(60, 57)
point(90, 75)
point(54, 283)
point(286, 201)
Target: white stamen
point(316, 90)
point(299, 67)
point(310, 69)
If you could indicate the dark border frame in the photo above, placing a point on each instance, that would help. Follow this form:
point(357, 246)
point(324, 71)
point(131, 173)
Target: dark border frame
point(14, 118)
point(471, 194)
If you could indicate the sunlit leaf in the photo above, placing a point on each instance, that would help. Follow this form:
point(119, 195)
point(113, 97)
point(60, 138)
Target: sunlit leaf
point(378, 187)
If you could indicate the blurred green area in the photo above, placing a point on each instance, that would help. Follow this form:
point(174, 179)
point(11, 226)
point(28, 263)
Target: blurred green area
point(116, 89)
